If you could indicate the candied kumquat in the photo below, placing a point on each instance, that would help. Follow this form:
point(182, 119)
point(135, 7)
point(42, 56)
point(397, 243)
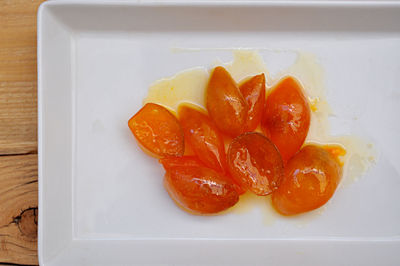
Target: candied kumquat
point(158, 131)
point(255, 163)
point(203, 137)
point(310, 179)
point(225, 104)
point(200, 190)
point(253, 91)
point(287, 117)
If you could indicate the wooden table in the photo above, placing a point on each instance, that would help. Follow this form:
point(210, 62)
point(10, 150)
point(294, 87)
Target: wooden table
point(18, 132)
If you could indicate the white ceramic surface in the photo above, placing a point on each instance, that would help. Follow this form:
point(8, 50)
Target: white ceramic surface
point(101, 200)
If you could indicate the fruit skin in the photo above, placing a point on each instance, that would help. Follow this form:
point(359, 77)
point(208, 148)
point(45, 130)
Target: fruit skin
point(200, 190)
point(158, 131)
point(184, 161)
point(203, 137)
point(255, 163)
point(311, 178)
point(286, 118)
point(253, 91)
point(225, 104)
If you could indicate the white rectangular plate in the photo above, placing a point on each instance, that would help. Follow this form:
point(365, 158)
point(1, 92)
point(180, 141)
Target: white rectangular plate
point(101, 199)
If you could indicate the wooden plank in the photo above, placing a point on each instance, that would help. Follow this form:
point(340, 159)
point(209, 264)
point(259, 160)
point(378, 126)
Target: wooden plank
point(18, 209)
point(18, 127)
point(18, 122)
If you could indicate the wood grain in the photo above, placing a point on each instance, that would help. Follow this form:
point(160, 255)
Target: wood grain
point(18, 208)
point(18, 73)
point(18, 132)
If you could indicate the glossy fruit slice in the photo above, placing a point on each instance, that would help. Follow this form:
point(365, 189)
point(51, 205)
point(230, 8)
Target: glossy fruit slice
point(310, 179)
point(287, 117)
point(255, 163)
point(193, 161)
point(200, 190)
point(253, 90)
point(158, 130)
point(225, 104)
point(203, 137)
